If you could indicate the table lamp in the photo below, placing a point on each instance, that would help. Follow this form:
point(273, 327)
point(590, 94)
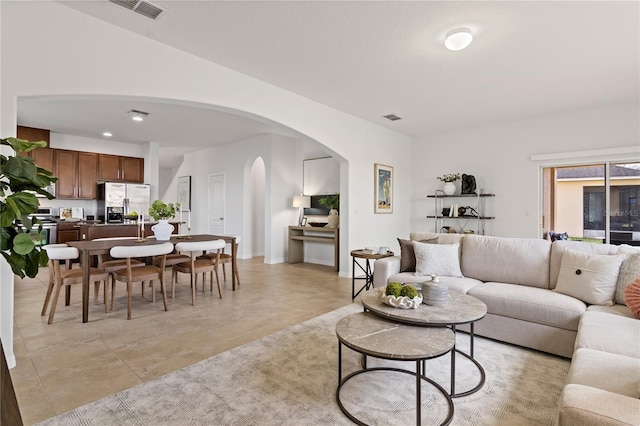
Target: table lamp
point(301, 202)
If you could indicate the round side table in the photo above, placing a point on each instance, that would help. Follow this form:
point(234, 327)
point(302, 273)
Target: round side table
point(371, 335)
point(367, 256)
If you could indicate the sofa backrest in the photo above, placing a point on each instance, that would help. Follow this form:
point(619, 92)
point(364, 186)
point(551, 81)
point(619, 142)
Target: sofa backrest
point(557, 250)
point(523, 261)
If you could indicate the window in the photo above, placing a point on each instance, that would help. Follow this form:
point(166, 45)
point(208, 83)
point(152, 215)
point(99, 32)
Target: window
point(596, 202)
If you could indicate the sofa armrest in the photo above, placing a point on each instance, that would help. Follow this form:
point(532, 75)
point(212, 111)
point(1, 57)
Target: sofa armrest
point(586, 406)
point(384, 268)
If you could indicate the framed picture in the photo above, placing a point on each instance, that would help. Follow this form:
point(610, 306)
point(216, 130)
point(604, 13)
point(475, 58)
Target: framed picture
point(184, 193)
point(303, 222)
point(383, 196)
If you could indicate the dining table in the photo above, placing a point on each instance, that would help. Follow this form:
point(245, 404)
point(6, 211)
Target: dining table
point(88, 248)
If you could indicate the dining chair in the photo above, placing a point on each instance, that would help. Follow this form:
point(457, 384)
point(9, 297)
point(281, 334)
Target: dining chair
point(197, 265)
point(141, 274)
point(51, 283)
point(172, 259)
point(69, 277)
point(227, 258)
point(108, 264)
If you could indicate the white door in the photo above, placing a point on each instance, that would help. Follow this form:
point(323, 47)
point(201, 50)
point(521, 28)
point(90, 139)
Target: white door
point(216, 204)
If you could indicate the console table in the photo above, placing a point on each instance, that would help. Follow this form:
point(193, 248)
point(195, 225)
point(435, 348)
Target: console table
point(299, 234)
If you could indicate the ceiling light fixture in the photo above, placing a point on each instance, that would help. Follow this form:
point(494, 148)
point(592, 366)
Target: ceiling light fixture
point(458, 39)
point(392, 117)
point(107, 134)
point(137, 115)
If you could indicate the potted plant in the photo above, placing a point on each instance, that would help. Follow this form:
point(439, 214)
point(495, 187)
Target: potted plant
point(332, 202)
point(20, 179)
point(162, 212)
point(449, 188)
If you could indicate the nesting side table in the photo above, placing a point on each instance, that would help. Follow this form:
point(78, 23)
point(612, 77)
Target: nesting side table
point(371, 335)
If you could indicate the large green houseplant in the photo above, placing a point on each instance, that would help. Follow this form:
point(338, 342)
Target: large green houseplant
point(20, 179)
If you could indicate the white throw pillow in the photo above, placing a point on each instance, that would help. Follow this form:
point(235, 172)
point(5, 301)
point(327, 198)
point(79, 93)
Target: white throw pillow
point(437, 259)
point(629, 271)
point(589, 277)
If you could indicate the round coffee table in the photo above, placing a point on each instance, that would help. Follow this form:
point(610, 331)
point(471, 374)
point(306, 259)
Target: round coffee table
point(372, 335)
point(461, 309)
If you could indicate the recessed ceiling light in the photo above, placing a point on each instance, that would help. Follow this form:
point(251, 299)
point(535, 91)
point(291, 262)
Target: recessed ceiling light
point(107, 134)
point(137, 115)
point(458, 39)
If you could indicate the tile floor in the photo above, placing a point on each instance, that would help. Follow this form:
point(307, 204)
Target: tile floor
point(68, 364)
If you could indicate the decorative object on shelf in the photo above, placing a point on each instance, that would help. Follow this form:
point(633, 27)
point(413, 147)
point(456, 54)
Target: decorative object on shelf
point(301, 202)
point(20, 180)
point(411, 301)
point(332, 202)
point(383, 194)
point(317, 224)
point(162, 212)
point(468, 184)
point(449, 187)
point(184, 191)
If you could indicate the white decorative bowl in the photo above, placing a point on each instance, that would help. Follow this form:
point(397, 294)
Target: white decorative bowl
point(401, 302)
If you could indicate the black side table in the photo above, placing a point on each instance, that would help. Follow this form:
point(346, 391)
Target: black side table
point(367, 255)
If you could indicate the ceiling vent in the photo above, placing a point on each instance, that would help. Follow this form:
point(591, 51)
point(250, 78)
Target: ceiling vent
point(140, 6)
point(392, 117)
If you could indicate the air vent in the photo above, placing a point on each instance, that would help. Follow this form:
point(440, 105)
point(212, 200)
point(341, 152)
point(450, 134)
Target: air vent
point(140, 6)
point(392, 117)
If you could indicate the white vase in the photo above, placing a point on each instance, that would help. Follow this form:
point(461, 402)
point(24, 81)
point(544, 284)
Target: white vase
point(449, 188)
point(334, 219)
point(162, 230)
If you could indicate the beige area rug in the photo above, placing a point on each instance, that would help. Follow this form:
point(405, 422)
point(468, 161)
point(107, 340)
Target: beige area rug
point(290, 378)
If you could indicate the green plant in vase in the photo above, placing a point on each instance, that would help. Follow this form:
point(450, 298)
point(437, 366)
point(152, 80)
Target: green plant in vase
point(332, 202)
point(160, 210)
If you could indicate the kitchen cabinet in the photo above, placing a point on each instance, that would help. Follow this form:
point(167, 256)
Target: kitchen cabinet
point(32, 134)
point(42, 157)
point(77, 174)
point(68, 232)
point(115, 168)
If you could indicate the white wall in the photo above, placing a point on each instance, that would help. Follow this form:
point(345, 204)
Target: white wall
point(500, 159)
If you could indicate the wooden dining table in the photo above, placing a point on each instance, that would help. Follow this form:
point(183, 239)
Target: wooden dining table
point(89, 248)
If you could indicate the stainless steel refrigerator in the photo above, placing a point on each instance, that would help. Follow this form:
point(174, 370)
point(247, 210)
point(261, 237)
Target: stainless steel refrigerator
point(117, 200)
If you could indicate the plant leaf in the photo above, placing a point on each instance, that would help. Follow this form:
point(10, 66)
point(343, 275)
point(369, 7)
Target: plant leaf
point(23, 244)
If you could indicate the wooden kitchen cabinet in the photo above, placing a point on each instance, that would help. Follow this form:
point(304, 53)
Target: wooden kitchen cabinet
point(44, 157)
point(32, 134)
point(115, 168)
point(68, 232)
point(77, 174)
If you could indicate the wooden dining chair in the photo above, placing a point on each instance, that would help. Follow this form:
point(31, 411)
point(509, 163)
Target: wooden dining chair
point(226, 258)
point(51, 283)
point(110, 265)
point(197, 265)
point(69, 277)
point(131, 274)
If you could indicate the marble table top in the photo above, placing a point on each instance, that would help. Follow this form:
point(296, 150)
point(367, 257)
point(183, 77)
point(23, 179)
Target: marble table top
point(461, 309)
point(372, 335)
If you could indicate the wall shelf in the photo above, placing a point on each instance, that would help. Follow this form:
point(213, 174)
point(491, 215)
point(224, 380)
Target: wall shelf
point(463, 223)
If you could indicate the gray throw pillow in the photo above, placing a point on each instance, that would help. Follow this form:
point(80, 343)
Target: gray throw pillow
point(407, 254)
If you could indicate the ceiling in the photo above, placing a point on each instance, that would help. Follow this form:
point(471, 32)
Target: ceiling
point(372, 58)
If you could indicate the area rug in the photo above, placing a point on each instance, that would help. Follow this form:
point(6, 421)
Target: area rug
point(290, 378)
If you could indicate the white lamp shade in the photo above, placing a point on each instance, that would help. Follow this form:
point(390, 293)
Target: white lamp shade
point(301, 201)
point(458, 39)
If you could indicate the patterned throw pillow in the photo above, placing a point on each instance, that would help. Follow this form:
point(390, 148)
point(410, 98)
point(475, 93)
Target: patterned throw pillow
point(629, 270)
point(589, 277)
point(408, 255)
point(437, 259)
point(632, 297)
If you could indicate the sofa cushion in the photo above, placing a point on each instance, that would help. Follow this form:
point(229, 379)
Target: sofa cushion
point(611, 372)
point(508, 260)
point(622, 310)
point(461, 285)
point(531, 304)
point(609, 333)
point(437, 259)
point(557, 250)
point(408, 255)
point(589, 277)
point(629, 270)
point(586, 406)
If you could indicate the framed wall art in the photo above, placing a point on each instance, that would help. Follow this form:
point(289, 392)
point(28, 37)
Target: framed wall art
point(184, 193)
point(383, 196)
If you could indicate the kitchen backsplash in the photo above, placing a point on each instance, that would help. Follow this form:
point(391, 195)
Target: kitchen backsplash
point(89, 206)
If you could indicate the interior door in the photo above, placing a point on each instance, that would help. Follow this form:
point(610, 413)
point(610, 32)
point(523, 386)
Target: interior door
point(216, 204)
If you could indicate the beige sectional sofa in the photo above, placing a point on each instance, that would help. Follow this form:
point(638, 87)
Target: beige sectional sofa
point(523, 283)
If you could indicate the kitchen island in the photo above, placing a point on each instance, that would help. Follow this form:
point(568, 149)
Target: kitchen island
point(90, 231)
